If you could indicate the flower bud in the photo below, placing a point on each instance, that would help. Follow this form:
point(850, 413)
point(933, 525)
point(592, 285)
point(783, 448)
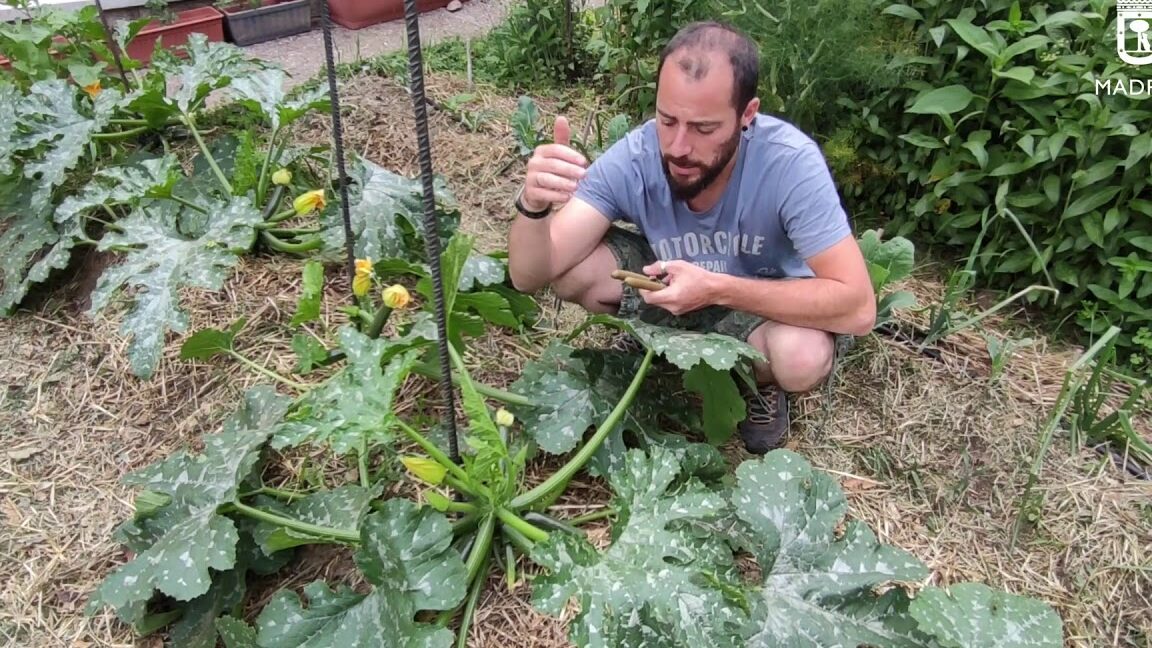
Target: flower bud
point(504, 418)
point(93, 89)
point(362, 282)
point(425, 469)
point(396, 296)
point(282, 177)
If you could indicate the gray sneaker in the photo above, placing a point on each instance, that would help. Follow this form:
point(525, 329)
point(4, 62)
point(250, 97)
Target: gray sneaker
point(767, 423)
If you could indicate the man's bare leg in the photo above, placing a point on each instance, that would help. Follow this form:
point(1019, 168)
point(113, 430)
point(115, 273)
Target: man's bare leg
point(590, 283)
point(798, 359)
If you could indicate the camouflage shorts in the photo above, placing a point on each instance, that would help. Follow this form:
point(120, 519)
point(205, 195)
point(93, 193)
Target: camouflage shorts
point(633, 252)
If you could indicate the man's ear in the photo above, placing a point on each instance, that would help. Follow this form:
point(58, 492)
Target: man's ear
point(750, 111)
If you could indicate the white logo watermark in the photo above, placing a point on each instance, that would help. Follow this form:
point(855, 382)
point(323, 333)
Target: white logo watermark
point(1132, 24)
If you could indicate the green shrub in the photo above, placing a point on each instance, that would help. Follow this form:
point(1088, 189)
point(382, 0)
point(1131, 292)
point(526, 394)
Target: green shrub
point(542, 44)
point(815, 51)
point(1001, 134)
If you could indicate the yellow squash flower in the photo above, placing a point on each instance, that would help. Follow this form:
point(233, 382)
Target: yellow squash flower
point(396, 296)
point(425, 469)
point(93, 88)
point(306, 203)
point(362, 282)
point(504, 418)
point(282, 177)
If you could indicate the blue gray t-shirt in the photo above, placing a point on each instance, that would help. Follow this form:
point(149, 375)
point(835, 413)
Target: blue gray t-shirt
point(780, 206)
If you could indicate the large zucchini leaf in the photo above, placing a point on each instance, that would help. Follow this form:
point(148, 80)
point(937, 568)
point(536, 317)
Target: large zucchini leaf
point(356, 404)
point(162, 260)
point(182, 542)
point(652, 585)
point(406, 554)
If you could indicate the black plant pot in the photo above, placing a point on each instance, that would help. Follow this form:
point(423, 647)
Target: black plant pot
point(269, 22)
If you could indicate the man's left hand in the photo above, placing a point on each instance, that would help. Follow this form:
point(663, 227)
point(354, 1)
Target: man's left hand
point(690, 287)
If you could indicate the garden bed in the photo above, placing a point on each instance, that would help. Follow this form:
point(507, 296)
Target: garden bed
point(930, 454)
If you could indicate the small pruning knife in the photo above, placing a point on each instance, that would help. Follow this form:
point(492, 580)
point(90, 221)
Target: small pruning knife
point(638, 280)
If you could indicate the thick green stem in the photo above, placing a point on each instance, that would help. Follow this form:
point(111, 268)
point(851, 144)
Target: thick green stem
point(188, 203)
point(262, 184)
point(362, 461)
point(296, 525)
point(278, 217)
point(207, 154)
point(470, 606)
point(477, 557)
point(268, 372)
point(434, 452)
point(278, 493)
point(560, 478)
point(119, 135)
point(292, 231)
point(592, 517)
point(432, 371)
point(293, 248)
point(462, 507)
point(378, 321)
point(465, 524)
point(460, 486)
point(529, 531)
point(515, 537)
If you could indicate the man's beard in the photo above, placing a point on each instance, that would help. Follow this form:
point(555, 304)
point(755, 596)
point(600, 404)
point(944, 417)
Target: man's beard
point(708, 173)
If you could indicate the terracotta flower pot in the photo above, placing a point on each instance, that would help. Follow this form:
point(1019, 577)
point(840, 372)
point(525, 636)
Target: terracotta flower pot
point(203, 20)
point(355, 14)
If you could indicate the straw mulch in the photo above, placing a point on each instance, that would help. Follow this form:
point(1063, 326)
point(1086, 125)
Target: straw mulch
point(932, 455)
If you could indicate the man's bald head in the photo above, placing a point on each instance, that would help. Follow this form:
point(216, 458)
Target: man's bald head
point(691, 48)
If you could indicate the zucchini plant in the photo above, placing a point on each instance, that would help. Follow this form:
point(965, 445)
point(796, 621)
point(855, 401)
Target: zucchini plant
point(206, 523)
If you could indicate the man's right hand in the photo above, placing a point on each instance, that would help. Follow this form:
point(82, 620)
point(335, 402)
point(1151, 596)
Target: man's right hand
point(553, 171)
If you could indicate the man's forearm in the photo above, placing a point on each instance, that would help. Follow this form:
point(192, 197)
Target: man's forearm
point(530, 253)
point(824, 304)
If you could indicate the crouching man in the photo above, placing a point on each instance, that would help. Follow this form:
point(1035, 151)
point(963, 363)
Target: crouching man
point(736, 212)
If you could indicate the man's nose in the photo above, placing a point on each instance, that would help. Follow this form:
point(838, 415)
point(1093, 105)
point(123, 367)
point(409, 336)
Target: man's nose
point(679, 147)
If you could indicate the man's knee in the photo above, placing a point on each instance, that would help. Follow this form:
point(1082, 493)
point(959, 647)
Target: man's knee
point(799, 359)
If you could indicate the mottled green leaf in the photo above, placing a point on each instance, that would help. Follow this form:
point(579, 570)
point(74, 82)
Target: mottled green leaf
point(311, 293)
point(723, 405)
point(355, 404)
point(817, 590)
point(33, 245)
point(122, 184)
point(163, 261)
point(235, 633)
point(384, 208)
point(310, 352)
point(972, 614)
point(56, 133)
point(9, 111)
point(180, 543)
point(265, 92)
point(481, 270)
point(197, 626)
point(652, 581)
point(406, 554)
point(208, 66)
point(687, 348)
point(339, 508)
point(574, 391)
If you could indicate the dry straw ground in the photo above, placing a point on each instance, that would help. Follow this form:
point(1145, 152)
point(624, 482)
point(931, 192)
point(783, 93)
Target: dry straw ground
point(932, 454)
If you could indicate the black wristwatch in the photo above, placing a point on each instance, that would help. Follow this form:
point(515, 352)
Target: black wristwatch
point(537, 215)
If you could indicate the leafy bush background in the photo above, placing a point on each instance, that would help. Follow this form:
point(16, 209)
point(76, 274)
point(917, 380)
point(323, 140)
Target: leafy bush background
point(973, 127)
